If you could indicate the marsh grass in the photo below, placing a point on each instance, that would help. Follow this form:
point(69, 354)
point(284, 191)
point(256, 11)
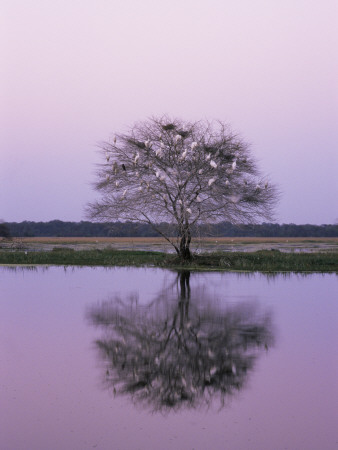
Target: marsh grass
point(262, 261)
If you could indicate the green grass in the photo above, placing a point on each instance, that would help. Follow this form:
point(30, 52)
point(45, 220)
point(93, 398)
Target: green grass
point(262, 261)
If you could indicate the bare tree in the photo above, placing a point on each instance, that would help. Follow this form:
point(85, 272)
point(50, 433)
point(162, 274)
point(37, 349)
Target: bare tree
point(181, 173)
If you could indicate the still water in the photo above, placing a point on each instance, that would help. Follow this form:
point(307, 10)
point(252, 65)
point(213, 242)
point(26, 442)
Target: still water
point(155, 359)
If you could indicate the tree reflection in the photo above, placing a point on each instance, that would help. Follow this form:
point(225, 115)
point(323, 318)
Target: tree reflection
point(182, 349)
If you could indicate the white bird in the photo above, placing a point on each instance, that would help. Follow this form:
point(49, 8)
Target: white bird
point(193, 145)
point(234, 165)
point(258, 187)
point(136, 157)
point(189, 210)
point(147, 144)
point(140, 188)
point(124, 193)
point(180, 202)
point(213, 370)
point(198, 199)
point(235, 198)
point(117, 183)
point(200, 171)
point(162, 177)
point(158, 152)
point(208, 157)
point(212, 180)
point(213, 164)
point(227, 182)
point(211, 354)
point(157, 174)
point(178, 137)
point(184, 154)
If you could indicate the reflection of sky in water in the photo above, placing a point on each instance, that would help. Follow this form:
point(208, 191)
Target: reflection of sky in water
point(51, 392)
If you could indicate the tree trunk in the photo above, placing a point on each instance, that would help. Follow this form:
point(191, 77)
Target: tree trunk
point(184, 251)
point(184, 278)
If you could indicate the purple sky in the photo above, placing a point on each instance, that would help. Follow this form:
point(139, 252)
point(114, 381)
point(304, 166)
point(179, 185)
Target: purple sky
point(73, 72)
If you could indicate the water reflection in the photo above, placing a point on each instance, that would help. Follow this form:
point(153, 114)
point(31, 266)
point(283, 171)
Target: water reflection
point(183, 349)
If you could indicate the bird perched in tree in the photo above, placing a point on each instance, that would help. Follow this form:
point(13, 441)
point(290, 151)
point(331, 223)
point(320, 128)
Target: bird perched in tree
point(124, 167)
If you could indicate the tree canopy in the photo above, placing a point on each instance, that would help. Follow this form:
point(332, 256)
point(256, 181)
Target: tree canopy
point(181, 173)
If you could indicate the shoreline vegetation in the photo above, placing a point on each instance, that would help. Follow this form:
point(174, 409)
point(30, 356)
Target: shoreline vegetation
point(271, 260)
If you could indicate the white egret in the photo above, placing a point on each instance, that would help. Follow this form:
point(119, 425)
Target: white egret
point(136, 157)
point(178, 137)
point(117, 183)
point(189, 210)
point(198, 199)
point(211, 181)
point(200, 171)
point(235, 198)
point(227, 182)
point(213, 164)
point(193, 145)
point(184, 154)
point(208, 157)
point(213, 370)
point(234, 165)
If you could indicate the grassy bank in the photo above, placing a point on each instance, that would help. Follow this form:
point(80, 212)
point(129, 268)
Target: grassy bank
point(264, 261)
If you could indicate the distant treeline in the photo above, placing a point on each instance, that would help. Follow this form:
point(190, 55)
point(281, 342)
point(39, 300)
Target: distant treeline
point(57, 228)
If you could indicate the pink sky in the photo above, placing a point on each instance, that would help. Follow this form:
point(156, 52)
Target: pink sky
point(73, 72)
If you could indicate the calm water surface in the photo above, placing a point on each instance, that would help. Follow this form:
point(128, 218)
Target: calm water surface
point(155, 359)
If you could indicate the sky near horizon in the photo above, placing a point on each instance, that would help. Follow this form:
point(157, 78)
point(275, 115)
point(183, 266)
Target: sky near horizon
point(74, 72)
